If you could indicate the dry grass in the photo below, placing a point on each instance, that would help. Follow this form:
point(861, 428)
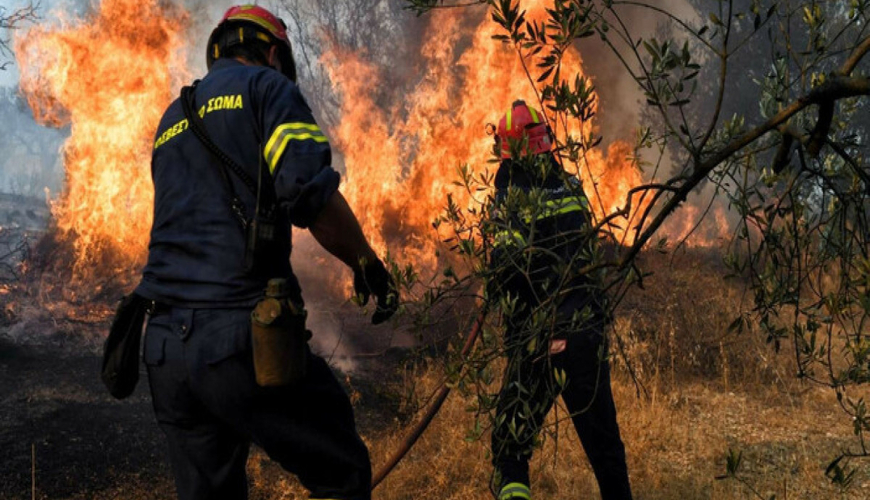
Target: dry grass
point(704, 391)
point(676, 444)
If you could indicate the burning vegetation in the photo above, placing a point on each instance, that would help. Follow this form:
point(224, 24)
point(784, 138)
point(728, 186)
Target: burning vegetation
point(109, 77)
point(405, 148)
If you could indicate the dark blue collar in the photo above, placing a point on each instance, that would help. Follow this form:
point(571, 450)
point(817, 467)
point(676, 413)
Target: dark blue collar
point(224, 62)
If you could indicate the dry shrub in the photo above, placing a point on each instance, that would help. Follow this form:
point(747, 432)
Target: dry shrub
point(676, 439)
point(675, 446)
point(708, 390)
point(676, 329)
point(53, 302)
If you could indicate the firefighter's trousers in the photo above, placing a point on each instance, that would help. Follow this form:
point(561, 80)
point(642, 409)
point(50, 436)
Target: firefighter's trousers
point(208, 404)
point(529, 389)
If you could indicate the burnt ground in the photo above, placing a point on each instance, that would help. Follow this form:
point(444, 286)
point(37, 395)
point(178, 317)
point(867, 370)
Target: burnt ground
point(85, 442)
point(90, 446)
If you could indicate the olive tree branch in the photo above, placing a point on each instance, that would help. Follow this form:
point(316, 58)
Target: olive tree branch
point(834, 89)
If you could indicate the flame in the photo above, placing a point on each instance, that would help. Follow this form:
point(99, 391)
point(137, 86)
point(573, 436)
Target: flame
point(401, 163)
point(109, 77)
point(697, 228)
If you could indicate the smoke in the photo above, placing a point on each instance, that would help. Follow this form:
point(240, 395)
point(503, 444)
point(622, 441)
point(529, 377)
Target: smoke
point(620, 99)
point(31, 163)
point(623, 109)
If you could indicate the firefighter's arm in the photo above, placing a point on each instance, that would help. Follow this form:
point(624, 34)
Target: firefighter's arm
point(295, 149)
point(337, 229)
point(298, 157)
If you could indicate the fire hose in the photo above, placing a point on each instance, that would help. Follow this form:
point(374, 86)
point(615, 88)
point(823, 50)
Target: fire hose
point(424, 422)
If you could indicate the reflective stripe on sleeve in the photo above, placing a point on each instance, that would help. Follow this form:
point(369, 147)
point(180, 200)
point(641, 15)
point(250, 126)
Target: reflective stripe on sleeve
point(508, 237)
point(561, 206)
point(285, 133)
point(515, 490)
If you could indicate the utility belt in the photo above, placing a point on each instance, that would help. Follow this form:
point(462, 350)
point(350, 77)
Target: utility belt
point(279, 339)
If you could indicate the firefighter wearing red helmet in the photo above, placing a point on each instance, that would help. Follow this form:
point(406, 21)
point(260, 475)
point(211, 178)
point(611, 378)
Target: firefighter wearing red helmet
point(236, 161)
point(523, 126)
point(554, 332)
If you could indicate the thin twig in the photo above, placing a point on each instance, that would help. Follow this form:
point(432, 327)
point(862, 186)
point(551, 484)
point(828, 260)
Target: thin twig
point(33, 471)
point(835, 88)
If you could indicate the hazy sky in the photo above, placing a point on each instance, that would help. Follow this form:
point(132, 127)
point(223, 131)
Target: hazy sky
point(9, 77)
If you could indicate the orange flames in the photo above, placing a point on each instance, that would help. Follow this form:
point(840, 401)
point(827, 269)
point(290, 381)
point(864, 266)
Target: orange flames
point(110, 78)
point(401, 162)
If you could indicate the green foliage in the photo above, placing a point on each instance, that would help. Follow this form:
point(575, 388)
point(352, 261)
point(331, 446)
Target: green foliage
point(733, 462)
point(760, 100)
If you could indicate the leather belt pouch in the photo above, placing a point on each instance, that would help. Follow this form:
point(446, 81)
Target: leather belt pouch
point(120, 371)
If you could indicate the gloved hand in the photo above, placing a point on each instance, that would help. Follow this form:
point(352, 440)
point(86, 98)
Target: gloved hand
point(373, 278)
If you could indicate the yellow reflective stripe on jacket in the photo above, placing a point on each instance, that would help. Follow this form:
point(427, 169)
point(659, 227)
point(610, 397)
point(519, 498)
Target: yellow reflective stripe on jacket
point(515, 490)
point(508, 237)
point(284, 134)
point(534, 115)
point(561, 206)
point(552, 208)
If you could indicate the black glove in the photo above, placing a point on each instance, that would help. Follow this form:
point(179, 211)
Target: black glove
point(373, 278)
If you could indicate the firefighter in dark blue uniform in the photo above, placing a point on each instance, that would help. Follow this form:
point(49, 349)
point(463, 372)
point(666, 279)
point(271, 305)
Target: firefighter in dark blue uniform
point(198, 338)
point(554, 316)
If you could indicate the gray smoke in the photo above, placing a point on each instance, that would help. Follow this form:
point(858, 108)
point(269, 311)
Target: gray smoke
point(620, 99)
point(31, 164)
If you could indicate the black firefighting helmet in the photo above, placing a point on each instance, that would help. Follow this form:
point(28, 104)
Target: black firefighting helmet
point(251, 22)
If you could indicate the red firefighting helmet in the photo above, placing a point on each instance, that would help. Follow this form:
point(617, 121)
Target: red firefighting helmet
point(523, 121)
point(251, 22)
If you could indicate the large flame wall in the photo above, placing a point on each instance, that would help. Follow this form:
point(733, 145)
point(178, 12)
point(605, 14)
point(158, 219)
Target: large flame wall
point(402, 162)
point(109, 77)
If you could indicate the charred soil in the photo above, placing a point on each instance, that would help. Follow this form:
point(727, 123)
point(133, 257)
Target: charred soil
point(61, 429)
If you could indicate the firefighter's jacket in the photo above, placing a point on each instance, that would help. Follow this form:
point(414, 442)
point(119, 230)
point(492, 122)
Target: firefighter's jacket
point(196, 257)
point(540, 237)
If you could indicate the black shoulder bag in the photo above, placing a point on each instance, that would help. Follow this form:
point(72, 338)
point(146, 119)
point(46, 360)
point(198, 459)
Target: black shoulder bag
point(120, 371)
